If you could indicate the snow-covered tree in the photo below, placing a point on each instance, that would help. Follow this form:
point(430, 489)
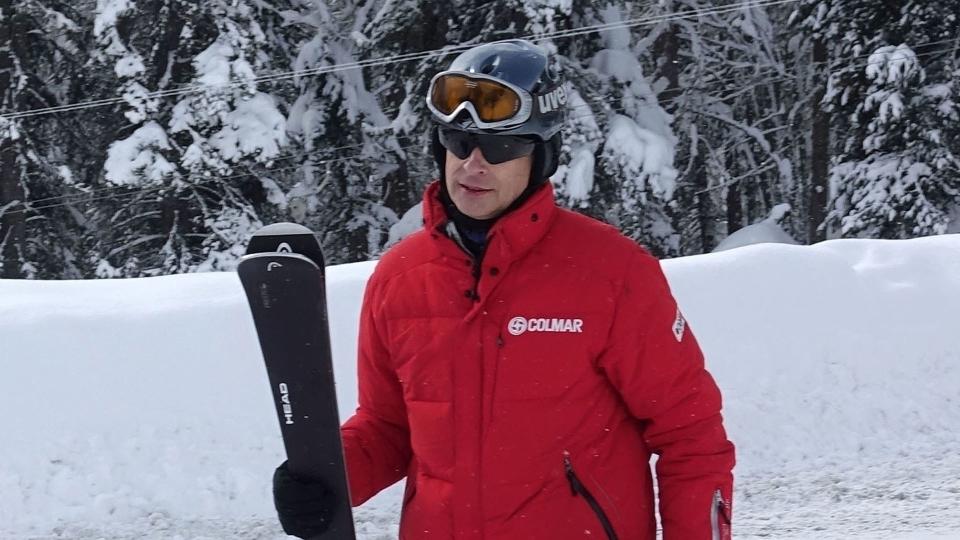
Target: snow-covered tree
point(41, 44)
point(720, 74)
point(200, 134)
point(619, 143)
point(688, 120)
point(896, 171)
point(352, 159)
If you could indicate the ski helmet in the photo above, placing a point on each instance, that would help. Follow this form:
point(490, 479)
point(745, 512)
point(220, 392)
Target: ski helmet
point(503, 88)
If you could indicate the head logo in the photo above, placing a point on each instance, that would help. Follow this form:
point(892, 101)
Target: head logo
point(285, 403)
point(521, 325)
point(284, 248)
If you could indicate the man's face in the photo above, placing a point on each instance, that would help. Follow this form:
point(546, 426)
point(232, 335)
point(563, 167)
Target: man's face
point(482, 190)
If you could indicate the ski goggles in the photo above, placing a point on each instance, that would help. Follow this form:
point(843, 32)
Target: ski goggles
point(495, 148)
point(491, 102)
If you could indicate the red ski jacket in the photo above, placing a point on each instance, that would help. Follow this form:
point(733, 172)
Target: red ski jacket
point(523, 397)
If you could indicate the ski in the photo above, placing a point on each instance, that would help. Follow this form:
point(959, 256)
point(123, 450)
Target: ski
point(283, 278)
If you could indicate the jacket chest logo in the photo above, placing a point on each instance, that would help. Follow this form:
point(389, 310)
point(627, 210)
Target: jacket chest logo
point(522, 325)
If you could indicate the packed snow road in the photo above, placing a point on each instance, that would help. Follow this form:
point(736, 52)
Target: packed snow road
point(912, 497)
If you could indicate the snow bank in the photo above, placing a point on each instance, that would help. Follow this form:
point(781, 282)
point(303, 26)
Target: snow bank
point(763, 231)
point(140, 408)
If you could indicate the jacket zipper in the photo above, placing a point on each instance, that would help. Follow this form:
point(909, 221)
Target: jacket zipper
point(579, 489)
point(716, 510)
point(477, 272)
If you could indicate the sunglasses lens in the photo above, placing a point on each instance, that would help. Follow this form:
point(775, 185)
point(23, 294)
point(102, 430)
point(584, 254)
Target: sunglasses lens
point(460, 143)
point(495, 148)
point(492, 101)
point(502, 148)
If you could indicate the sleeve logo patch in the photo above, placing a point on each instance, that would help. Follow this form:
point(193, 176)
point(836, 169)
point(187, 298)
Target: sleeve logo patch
point(679, 326)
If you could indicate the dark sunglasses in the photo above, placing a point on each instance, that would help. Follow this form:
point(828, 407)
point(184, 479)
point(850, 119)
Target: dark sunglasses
point(495, 148)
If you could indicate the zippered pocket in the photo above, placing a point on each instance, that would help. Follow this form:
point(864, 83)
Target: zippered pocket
point(579, 489)
point(719, 518)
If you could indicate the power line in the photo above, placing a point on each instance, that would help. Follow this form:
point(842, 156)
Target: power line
point(278, 158)
point(426, 54)
point(78, 197)
point(559, 34)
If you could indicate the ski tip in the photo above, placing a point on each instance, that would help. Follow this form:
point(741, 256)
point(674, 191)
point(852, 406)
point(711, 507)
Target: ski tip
point(272, 260)
point(281, 229)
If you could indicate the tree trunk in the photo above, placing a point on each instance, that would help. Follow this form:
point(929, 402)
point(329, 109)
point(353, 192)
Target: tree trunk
point(705, 206)
point(734, 208)
point(12, 216)
point(12, 193)
point(819, 152)
point(666, 48)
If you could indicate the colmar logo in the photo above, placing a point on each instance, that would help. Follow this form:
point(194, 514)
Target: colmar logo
point(521, 325)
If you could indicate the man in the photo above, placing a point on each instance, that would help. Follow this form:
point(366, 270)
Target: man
point(519, 363)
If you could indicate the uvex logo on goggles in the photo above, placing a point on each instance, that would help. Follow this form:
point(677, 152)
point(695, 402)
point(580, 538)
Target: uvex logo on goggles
point(493, 103)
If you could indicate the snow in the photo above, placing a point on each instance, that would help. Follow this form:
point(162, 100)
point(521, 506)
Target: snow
point(645, 156)
point(577, 176)
point(767, 230)
point(139, 99)
point(411, 222)
point(8, 130)
point(891, 65)
point(129, 66)
point(617, 35)
point(139, 408)
point(214, 64)
point(254, 128)
point(139, 153)
point(105, 30)
point(108, 11)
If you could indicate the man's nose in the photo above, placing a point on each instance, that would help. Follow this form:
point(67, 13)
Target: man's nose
point(475, 162)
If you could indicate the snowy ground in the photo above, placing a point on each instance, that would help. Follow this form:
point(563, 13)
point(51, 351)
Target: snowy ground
point(140, 408)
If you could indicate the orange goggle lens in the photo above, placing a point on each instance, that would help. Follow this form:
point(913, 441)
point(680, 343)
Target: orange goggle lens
point(493, 101)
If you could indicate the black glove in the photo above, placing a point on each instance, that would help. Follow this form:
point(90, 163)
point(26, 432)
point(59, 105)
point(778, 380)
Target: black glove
point(304, 505)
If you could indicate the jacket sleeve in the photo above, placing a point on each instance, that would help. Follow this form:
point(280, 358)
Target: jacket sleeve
point(376, 438)
point(654, 361)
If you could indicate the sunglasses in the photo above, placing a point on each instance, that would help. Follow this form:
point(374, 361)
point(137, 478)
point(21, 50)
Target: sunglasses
point(493, 103)
point(495, 148)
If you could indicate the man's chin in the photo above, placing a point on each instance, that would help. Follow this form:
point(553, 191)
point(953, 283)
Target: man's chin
point(475, 211)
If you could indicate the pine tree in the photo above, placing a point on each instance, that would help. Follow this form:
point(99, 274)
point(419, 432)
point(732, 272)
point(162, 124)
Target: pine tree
point(721, 76)
point(352, 161)
point(895, 175)
point(617, 162)
point(41, 46)
point(199, 136)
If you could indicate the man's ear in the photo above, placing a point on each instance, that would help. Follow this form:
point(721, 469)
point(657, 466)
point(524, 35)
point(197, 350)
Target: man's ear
point(546, 158)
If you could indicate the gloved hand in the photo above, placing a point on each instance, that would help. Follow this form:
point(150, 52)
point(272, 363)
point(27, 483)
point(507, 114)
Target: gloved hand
point(304, 505)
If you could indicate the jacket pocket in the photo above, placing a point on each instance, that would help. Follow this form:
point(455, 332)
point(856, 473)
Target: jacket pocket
point(581, 490)
point(719, 518)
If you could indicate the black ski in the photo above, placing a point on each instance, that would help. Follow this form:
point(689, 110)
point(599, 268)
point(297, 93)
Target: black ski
point(283, 277)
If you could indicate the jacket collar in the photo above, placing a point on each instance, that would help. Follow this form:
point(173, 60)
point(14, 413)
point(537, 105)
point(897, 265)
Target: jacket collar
point(511, 236)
